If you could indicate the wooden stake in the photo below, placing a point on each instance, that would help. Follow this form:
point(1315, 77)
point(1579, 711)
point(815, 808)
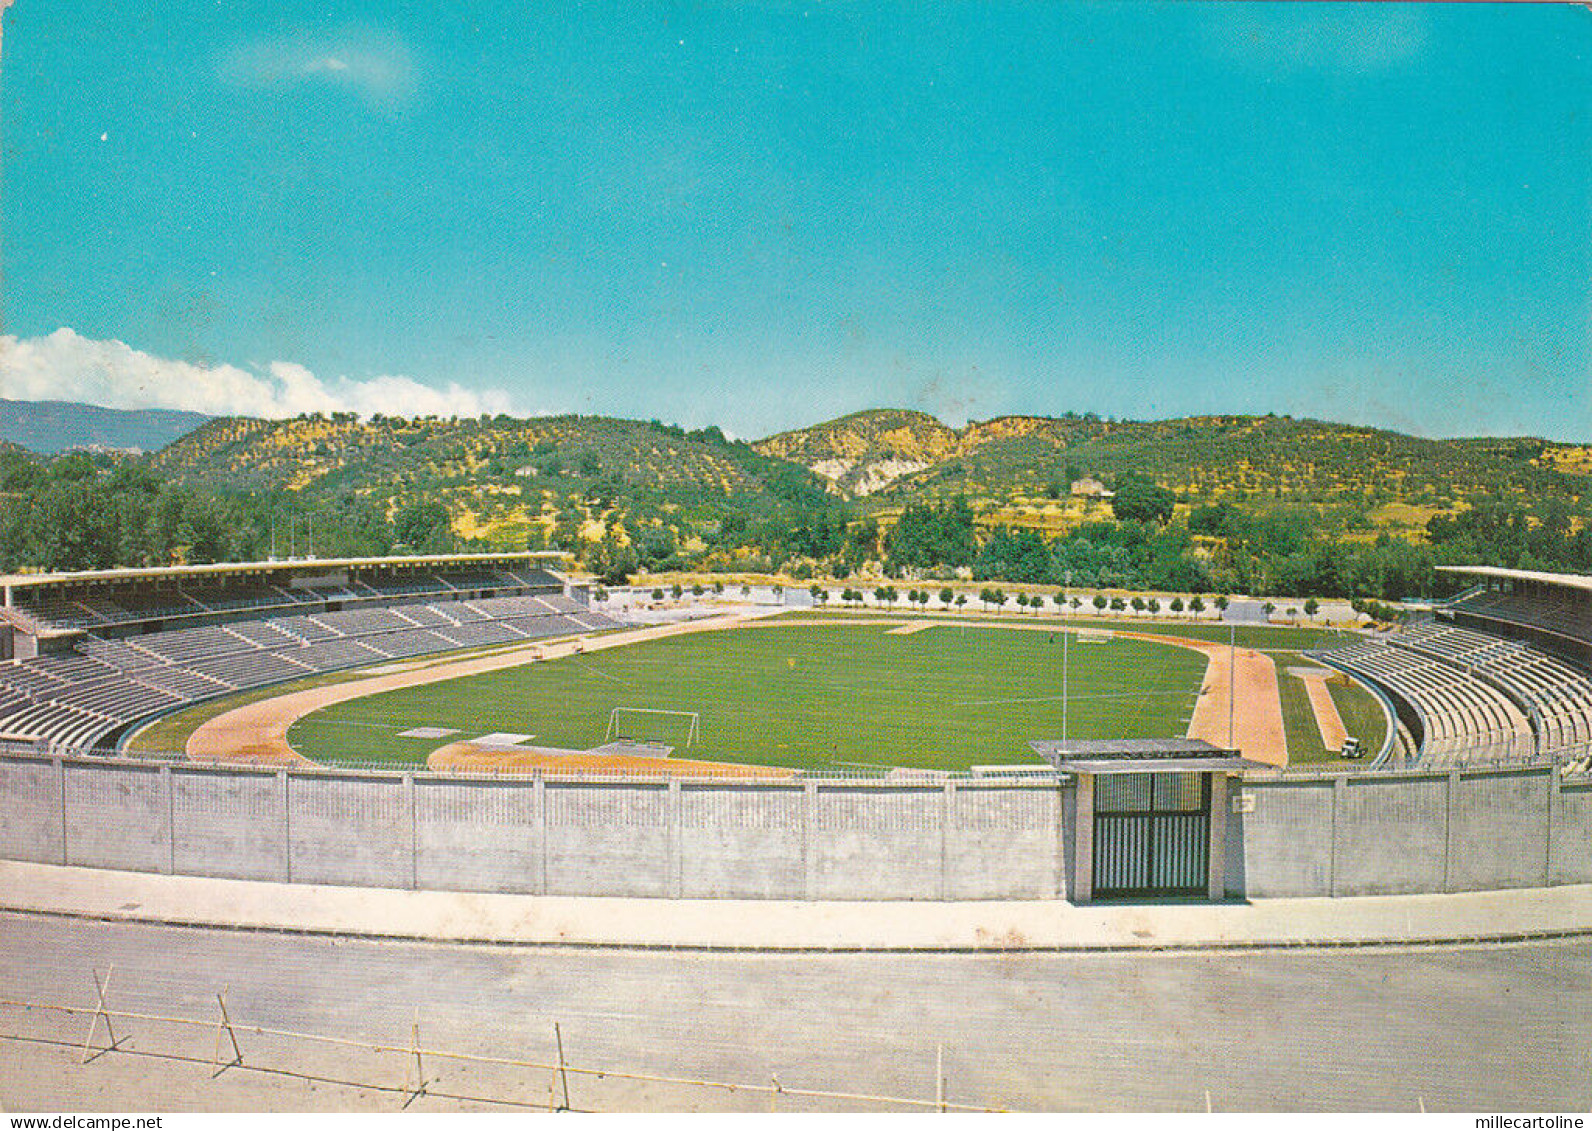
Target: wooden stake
point(563, 1076)
point(419, 1069)
point(225, 1026)
point(100, 989)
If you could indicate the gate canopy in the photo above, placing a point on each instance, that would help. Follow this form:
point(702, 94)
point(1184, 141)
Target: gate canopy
point(1141, 756)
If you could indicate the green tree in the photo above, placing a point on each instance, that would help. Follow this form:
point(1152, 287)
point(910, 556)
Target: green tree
point(423, 527)
point(1141, 499)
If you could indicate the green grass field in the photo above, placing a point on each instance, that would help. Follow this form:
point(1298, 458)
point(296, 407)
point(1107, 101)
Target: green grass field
point(833, 697)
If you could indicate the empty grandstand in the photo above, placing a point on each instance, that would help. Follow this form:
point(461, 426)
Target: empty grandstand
point(1502, 676)
point(1550, 610)
point(102, 651)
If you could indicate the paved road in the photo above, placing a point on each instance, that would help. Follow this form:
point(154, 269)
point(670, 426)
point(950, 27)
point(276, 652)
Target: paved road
point(1240, 611)
point(1473, 1028)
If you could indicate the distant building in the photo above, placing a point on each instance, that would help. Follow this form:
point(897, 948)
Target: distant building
point(1091, 489)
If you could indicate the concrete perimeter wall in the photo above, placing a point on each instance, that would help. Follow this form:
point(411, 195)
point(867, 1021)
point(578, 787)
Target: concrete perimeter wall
point(825, 839)
point(1398, 833)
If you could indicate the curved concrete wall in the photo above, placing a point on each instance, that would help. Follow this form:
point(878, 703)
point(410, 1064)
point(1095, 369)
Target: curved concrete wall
point(817, 839)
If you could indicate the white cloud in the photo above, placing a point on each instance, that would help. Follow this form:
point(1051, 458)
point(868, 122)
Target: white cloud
point(65, 366)
point(378, 68)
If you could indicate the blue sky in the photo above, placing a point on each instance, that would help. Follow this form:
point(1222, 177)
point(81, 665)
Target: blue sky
point(764, 215)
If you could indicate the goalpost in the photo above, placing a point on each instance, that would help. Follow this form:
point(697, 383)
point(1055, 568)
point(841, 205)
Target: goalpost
point(617, 729)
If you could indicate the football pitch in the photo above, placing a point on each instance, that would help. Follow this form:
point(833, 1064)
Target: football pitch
point(842, 697)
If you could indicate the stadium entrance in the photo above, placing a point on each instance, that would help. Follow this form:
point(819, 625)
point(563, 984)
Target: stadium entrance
point(1151, 834)
point(1151, 816)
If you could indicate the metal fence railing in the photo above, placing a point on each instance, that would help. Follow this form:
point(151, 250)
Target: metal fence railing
point(407, 1068)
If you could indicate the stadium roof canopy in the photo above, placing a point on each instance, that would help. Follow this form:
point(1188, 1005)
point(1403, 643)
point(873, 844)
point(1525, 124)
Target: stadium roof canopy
point(1563, 580)
point(223, 569)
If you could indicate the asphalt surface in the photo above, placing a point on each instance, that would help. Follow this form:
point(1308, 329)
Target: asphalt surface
point(1476, 1028)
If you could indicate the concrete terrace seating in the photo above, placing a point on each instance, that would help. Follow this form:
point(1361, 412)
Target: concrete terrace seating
point(1480, 697)
point(1465, 720)
point(30, 680)
point(426, 616)
point(306, 630)
point(119, 697)
point(359, 622)
point(254, 669)
point(411, 642)
point(189, 645)
point(263, 634)
point(62, 614)
point(331, 655)
point(187, 684)
point(480, 633)
point(78, 698)
point(1555, 695)
point(58, 725)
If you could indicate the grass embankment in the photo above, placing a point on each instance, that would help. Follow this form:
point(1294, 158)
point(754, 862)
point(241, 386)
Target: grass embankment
point(1358, 708)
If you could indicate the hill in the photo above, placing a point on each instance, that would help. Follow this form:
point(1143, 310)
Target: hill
point(1020, 460)
point(1226, 503)
point(49, 427)
point(498, 476)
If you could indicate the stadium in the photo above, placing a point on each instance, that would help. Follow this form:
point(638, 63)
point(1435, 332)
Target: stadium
point(479, 727)
point(758, 751)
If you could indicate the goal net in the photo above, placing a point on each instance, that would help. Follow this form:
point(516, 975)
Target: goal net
point(654, 725)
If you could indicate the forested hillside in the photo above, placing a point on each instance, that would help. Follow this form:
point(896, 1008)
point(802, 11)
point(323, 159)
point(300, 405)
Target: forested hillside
point(1213, 504)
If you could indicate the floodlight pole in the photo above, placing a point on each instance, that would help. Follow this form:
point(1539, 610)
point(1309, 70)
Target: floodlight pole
point(1064, 683)
point(1232, 678)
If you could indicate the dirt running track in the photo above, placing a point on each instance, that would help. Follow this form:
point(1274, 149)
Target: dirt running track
point(1328, 721)
point(257, 732)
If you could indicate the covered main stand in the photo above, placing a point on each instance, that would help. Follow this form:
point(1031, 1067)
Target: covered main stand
point(1143, 823)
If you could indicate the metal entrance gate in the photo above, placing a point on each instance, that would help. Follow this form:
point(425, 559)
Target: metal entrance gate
point(1151, 834)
